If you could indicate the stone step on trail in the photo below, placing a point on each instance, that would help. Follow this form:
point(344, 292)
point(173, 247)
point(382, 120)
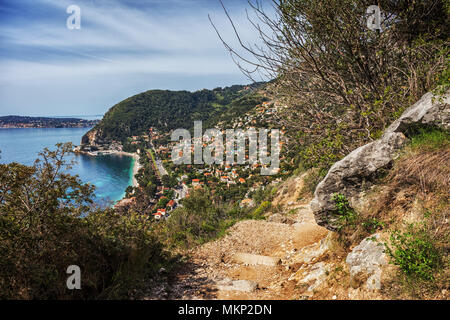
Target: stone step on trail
point(237, 285)
point(254, 259)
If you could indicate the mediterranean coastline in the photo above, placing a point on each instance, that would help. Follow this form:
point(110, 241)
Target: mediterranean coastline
point(110, 174)
point(135, 165)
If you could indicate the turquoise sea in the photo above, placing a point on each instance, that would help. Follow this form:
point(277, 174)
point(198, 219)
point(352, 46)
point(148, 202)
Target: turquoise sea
point(111, 174)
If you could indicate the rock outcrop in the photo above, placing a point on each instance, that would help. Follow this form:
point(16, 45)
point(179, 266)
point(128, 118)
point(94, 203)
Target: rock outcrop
point(365, 262)
point(428, 111)
point(89, 138)
point(348, 175)
point(313, 275)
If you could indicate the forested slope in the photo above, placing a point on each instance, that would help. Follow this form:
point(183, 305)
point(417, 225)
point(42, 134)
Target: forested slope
point(167, 110)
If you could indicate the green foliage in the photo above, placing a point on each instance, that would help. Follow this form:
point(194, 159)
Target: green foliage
point(346, 214)
point(323, 153)
point(163, 203)
point(415, 253)
point(203, 217)
point(443, 82)
point(263, 194)
point(169, 181)
point(430, 139)
point(129, 191)
point(198, 221)
point(48, 222)
point(344, 83)
point(372, 224)
point(259, 212)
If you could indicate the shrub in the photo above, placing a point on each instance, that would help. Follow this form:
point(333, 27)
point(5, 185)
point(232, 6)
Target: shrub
point(198, 221)
point(344, 83)
point(263, 194)
point(259, 212)
point(429, 139)
point(47, 223)
point(372, 224)
point(346, 214)
point(415, 253)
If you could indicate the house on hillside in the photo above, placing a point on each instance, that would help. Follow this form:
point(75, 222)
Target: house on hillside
point(157, 216)
point(171, 205)
point(161, 213)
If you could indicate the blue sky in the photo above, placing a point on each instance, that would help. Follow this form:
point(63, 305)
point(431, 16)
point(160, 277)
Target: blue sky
point(124, 47)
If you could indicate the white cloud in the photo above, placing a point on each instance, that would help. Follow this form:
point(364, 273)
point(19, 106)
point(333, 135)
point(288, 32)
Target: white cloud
point(117, 40)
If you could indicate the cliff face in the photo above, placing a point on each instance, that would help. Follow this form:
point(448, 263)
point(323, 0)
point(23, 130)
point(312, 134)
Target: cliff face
point(89, 137)
point(94, 140)
point(94, 137)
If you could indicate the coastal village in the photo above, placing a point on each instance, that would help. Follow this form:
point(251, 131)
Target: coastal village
point(12, 122)
point(153, 158)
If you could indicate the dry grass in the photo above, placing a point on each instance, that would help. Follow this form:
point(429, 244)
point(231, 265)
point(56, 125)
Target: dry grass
point(417, 175)
point(417, 192)
point(311, 179)
point(428, 171)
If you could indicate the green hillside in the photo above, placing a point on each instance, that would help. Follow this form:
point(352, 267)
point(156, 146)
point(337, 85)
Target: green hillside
point(168, 110)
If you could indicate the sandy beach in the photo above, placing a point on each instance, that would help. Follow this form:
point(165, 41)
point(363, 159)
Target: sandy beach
point(136, 167)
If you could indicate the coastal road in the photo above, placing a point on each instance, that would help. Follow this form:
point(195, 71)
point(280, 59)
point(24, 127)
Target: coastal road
point(161, 169)
point(157, 163)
